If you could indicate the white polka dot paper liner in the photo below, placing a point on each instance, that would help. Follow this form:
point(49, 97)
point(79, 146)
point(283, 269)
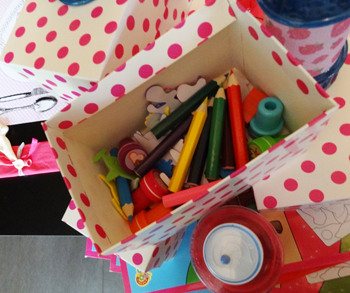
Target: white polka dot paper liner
point(321, 174)
point(67, 49)
point(202, 45)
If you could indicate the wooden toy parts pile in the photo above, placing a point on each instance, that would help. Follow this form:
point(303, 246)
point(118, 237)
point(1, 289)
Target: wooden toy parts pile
point(198, 135)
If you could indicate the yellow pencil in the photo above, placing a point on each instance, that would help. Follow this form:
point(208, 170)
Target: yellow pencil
point(189, 147)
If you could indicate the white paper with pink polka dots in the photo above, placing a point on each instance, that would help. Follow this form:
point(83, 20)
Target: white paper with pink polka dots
point(73, 219)
point(67, 49)
point(145, 257)
point(322, 173)
point(148, 257)
point(202, 45)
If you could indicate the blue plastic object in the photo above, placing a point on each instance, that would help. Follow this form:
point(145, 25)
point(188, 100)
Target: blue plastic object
point(268, 119)
point(165, 167)
point(306, 13)
point(225, 259)
point(76, 2)
point(328, 77)
point(226, 172)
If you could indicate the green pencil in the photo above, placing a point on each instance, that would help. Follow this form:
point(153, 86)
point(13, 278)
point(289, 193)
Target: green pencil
point(215, 138)
point(186, 108)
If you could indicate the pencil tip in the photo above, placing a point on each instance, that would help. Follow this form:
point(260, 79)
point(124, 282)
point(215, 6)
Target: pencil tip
point(220, 79)
point(203, 107)
point(225, 83)
point(220, 93)
point(130, 219)
point(232, 80)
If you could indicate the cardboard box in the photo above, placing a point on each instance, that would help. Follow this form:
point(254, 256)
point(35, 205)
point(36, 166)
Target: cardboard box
point(143, 258)
point(211, 41)
point(67, 49)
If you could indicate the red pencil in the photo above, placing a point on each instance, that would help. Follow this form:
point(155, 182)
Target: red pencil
point(239, 139)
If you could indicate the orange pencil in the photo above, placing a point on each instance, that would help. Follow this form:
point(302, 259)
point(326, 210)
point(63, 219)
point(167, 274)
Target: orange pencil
point(239, 139)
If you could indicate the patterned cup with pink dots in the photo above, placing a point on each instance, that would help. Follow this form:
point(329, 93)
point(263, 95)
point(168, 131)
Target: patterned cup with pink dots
point(313, 31)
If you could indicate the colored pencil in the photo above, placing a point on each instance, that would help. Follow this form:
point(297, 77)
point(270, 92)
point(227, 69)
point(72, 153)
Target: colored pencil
point(125, 197)
point(227, 153)
point(239, 139)
point(185, 108)
point(123, 188)
point(215, 138)
point(163, 147)
point(189, 147)
point(199, 157)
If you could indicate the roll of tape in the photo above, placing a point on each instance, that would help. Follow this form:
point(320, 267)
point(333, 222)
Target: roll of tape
point(235, 249)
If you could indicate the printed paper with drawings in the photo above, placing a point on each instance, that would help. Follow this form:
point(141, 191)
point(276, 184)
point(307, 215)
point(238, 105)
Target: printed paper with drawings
point(332, 273)
point(330, 222)
point(24, 101)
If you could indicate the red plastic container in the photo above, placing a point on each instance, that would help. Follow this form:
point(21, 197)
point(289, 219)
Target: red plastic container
point(263, 277)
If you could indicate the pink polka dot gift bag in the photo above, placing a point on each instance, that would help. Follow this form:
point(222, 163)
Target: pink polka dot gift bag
point(218, 36)
point(67, 49)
